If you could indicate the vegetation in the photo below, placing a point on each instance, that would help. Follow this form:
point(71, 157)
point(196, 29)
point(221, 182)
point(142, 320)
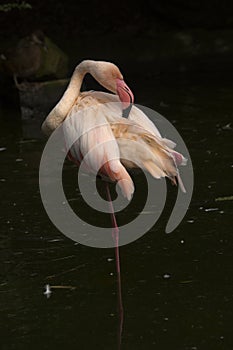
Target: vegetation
point(15, 5)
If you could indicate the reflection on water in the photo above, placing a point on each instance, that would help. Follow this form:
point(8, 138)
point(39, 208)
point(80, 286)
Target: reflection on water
point(177, 288)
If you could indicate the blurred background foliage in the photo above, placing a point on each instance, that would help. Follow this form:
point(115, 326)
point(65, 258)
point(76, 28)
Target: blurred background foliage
point(71, 18)
point(129, 31)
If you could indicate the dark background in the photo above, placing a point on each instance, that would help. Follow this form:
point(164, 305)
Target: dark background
point(72, 19)
point(131, 31)
point(177, 289)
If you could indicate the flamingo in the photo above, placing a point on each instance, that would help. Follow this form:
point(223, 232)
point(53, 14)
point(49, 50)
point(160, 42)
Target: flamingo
point(97, 118)
point(101, 113)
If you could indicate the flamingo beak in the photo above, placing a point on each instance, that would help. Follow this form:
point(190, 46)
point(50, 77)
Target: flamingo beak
point(124, 93)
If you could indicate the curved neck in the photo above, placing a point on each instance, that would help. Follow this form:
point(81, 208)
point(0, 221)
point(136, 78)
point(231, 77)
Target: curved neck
point(62, 108)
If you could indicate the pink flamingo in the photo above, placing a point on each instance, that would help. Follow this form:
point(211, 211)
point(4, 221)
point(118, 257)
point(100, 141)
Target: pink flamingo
point(101, 121)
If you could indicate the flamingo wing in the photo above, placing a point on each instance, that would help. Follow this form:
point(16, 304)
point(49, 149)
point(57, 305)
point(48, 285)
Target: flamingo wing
point(139, 148)
point(111, 143)
point(96, 145)
point(136, 115)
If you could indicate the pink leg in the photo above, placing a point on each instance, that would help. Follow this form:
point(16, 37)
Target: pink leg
point(115, 235)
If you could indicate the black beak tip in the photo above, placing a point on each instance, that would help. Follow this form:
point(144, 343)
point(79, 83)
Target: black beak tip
point(126, 111)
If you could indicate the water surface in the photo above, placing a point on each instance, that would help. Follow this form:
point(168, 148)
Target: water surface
point(177, 288)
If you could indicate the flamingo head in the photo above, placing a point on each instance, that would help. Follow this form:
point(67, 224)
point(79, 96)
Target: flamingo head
point(125, 94)
point(110, 77)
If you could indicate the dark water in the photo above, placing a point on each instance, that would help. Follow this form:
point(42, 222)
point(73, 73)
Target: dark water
point(177, 289)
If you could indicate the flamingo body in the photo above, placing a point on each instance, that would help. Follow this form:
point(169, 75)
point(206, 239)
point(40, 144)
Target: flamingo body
point(96, 118)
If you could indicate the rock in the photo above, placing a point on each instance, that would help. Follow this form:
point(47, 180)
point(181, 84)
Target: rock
point(54, 62)
point(36, 101)
point(34, 57)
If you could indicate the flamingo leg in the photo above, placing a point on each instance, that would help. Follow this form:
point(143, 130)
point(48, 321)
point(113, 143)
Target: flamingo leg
point(115, 235)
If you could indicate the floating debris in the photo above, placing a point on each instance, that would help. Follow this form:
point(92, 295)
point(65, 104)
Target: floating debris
point(67, 271)
point(27, 141)
point(19, 160)
point(47, 291)
point(146, 212)
point(166, 276)
point(2, 149)
point(63, 287)
point(186, 282)
point(211, 209)
point(73, 199)
point(226, 198)
point(227, 127)
point(55, 240)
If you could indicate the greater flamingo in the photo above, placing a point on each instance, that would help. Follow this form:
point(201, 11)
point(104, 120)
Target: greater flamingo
point(102, 121)
point(107, 124)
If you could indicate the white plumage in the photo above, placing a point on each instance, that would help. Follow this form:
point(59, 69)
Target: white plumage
point(107, 141)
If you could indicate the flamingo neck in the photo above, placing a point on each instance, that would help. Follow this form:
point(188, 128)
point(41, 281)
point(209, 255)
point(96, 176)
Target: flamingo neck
point(62, 108)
